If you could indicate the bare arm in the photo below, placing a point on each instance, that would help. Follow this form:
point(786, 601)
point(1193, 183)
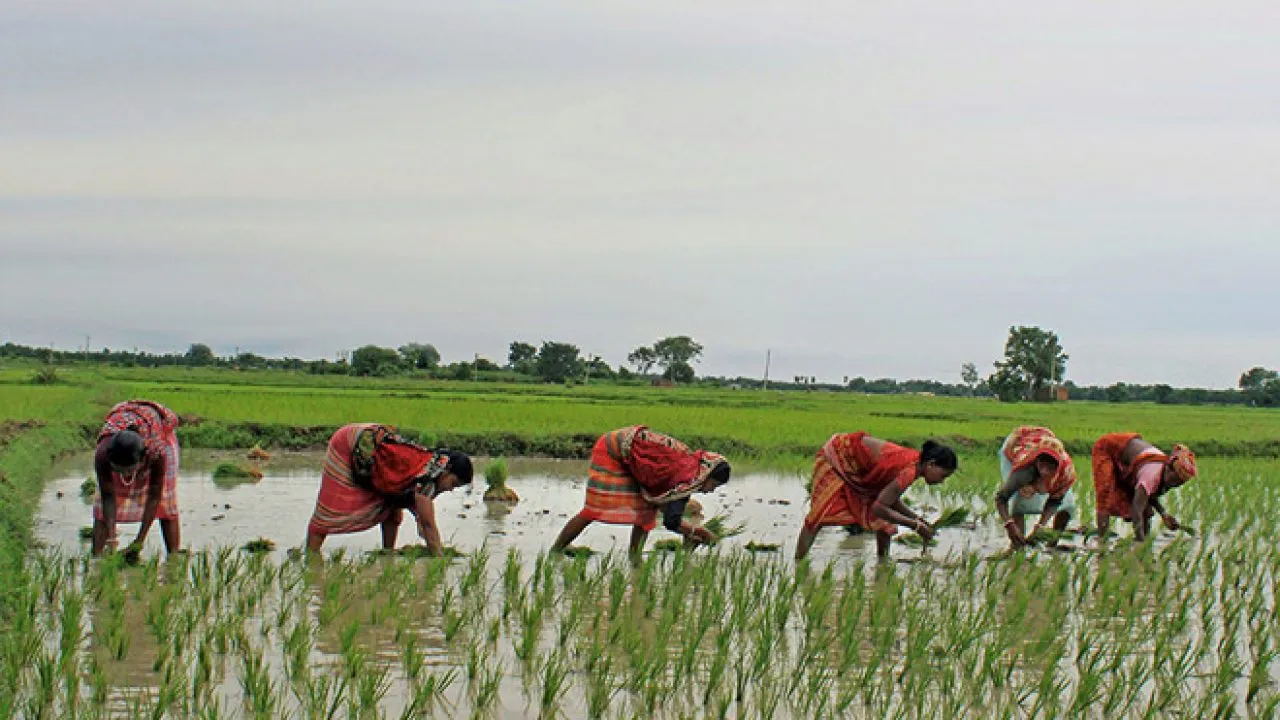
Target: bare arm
point(424, 510)
point(1050, 509)
point(885, 508)
point(1017, 480)
point(1139, 513)
point(102, 468)
point(673, 520)
point(1169, 520)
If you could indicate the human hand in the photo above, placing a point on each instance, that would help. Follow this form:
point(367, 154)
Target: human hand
point(924, 530)
point(1014, 530)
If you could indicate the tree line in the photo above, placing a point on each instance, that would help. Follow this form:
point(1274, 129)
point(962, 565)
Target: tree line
point(1034, 365)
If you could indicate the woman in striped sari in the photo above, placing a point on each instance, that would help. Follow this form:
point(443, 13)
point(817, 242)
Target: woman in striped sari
point(136, 463)
point(372, 475)
point(858, 480)
point(635, 472)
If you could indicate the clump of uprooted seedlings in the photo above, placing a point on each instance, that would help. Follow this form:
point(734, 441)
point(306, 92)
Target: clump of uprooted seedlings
point(234, 472)
point(418, 552)
point(260, 545)
point(717, 525)
point(948, 518)
point(496, 475)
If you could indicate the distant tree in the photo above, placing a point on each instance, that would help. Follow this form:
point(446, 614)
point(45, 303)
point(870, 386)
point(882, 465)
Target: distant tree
point(199, 355)
point(681, 373)
point(522, 357)
point(970, 377)
point(558, 362)
point(248, 360)
point(1261, 387)
point(1163, 394)
point(374, 360)
point(643, 359)
point(420, 356)
point(676, 355)
point(1118, 393)
point(486, 365)
point(595, 367)
point(1033, 359)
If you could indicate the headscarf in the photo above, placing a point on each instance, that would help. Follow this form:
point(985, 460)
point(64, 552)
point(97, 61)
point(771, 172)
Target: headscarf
point(707, 463)
point(1183, 462)
point(1027, 443)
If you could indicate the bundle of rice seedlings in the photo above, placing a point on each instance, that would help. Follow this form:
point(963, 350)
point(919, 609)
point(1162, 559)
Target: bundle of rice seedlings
point(720, 527)
point(86, 532)
point(417, 552)
point(496, 475)
point(913, 540)
point(754, 546)
point(89, 488)
point(260, 545)
point(668, 545)
point(1045, 536)
point(231, 471)
point(576, 551)
point(951, 517)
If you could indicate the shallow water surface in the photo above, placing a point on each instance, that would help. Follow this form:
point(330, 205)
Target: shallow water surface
point(772, 506)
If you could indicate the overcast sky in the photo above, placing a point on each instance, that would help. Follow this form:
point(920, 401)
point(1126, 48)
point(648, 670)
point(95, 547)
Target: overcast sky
point(875, 189)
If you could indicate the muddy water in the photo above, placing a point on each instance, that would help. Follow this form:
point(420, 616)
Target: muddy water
point(278, 507)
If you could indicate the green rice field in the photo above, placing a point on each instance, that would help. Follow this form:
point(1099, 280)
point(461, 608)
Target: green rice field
point(1185, 625)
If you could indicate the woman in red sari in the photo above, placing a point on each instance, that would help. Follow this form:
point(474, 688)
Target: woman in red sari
point(634, 473)
point(859, 480)
point(1129, 476)
point(136, 462)
point(372, 475)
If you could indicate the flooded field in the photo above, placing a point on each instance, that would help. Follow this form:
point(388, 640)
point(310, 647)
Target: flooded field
point(278, 507)
point(1185, 626)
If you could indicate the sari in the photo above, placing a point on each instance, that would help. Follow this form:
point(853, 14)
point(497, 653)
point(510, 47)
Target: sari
point(635, 470)
point(157, 425)
point(369, 476)
point(1114, 481)
point(847, 479)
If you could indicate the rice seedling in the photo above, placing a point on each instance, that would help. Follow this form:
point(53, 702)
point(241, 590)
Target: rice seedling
point(86, 532)
point(89, 488)
point(757, 547)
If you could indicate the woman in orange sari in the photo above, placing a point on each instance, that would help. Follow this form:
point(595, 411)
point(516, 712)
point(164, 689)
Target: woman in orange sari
point(635, 472)
point(372, 475)
point(1129, 477)
point(859, 480)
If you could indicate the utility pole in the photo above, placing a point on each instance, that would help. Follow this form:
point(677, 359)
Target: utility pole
point(475, 369)
point(767, 356)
